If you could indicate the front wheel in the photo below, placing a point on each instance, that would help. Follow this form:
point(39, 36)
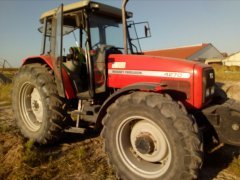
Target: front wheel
point(149, 136)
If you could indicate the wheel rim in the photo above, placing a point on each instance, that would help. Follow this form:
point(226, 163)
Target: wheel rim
point(143, 147)
point(31, 106)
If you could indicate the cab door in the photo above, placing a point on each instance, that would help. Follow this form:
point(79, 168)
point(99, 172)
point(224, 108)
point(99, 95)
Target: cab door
point(56, 47)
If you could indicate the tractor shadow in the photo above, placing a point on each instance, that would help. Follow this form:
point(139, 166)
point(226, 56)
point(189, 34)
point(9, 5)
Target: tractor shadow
point(217, 161)
point(71, 138)
point(67, 143)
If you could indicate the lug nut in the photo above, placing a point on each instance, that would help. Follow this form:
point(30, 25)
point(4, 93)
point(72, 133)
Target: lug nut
point(235, 127)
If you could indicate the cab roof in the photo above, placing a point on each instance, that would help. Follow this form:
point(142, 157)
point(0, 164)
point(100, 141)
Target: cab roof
point(102, 8)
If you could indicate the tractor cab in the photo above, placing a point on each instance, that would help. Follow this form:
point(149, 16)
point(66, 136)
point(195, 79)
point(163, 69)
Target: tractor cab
point(79, 37)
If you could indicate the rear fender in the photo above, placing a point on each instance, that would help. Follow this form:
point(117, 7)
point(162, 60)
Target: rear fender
point(69, 91)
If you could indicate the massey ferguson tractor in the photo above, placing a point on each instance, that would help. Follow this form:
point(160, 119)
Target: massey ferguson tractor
point(154, 113)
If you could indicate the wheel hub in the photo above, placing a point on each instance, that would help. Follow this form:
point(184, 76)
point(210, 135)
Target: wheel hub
point(148, 142)
point(31, 106)
point(145, 144)
point(36, 105)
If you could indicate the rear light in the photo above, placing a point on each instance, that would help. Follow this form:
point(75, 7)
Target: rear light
point(207, 94)
point(213, 90)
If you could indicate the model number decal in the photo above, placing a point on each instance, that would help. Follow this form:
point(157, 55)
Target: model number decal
point(151, 73)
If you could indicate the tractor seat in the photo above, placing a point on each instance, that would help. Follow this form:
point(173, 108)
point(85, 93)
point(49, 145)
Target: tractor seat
point(75, 66)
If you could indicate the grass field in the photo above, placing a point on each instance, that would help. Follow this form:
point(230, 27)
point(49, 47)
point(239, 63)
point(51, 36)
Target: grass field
point(9, 72)
point(226, 73)
point(5, 89)
point(5, 92)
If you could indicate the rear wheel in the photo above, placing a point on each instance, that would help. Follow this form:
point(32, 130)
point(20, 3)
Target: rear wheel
point(38, 109)
point(149, 136)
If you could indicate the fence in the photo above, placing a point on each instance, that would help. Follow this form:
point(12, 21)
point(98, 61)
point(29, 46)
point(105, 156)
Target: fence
point(4, 64)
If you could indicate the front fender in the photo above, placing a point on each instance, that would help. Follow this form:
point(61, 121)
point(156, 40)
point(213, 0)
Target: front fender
point(147, 87)
point(69, 91)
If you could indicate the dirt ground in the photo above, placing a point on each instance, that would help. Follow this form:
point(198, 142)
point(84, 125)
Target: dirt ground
point(78, 157)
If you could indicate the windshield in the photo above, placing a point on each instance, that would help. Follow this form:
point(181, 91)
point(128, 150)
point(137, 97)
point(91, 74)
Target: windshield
point(106, 31)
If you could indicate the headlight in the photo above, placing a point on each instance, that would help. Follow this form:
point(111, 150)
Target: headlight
point(204, 90)
point(212, 90)
point(208, 92)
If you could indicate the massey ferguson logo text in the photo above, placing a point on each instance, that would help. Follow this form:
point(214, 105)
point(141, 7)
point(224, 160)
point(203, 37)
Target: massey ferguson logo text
point(151, 73)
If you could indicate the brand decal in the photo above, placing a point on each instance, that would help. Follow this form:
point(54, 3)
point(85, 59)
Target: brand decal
point(119, 65)
point(151, 73)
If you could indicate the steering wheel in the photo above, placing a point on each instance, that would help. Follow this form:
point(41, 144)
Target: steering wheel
point(96, 45)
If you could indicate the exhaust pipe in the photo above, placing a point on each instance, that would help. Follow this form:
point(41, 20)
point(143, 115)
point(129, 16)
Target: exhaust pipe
point(124, 22)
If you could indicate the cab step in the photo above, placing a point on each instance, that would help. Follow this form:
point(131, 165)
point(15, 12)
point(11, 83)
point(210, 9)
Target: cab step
point(76, 130)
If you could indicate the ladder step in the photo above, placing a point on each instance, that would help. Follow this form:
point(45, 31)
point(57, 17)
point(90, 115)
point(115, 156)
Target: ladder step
point(76, 112)
point(84, 95)
point(76, 130)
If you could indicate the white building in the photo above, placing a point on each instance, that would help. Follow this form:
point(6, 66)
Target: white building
point(233, 60)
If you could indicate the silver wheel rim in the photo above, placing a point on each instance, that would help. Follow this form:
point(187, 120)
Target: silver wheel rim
point(31, 106)
point(151, 164)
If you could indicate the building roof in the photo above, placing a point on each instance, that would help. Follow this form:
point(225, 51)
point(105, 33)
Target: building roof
point(181, 52)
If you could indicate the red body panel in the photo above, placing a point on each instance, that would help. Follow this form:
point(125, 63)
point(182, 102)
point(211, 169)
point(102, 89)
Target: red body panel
point(48, 60)
point(124, 70)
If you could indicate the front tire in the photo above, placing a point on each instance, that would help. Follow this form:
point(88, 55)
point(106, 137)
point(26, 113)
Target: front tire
point(37, 107)
point(149, 136)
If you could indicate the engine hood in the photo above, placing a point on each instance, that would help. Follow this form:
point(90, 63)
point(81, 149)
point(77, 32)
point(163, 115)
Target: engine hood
point(151, 63)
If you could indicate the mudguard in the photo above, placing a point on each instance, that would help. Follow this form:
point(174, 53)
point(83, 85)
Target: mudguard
point(69, 91)
point(153, 87)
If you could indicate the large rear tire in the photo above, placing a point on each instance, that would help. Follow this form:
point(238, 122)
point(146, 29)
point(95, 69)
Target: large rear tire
point(149, 136)
point(37, 107)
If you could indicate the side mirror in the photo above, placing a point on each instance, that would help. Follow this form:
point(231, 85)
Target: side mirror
point(147, 31)
point(139, 30)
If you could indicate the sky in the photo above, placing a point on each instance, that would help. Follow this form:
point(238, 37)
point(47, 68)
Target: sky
point(173, 23)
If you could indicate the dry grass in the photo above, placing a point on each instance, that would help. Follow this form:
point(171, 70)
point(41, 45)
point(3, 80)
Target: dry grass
point(9, 72)
point(234, 166)
point(226, 73)
point(5, 89)
point(5, 92)
point(22, 159)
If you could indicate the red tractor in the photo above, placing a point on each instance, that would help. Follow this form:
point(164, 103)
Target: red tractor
point(153, 112)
